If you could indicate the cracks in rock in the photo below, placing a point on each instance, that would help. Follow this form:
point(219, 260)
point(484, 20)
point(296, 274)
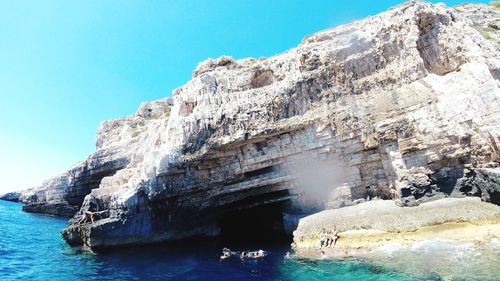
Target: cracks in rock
point(262, 78)
point(427, 42)
point(436, 59)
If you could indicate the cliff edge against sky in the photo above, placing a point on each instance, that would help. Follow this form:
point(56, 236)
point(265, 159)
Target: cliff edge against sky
point(402, 105)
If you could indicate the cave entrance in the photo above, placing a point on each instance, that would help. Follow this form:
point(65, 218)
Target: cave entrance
point(257, 224)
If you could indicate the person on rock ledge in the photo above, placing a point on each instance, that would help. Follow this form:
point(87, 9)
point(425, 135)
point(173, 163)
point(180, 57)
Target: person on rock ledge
point(323, 238)
point(328, 238)
point(87, 216)
point(333, 236)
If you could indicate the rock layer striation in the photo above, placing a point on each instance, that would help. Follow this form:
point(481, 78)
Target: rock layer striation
point(118, 144)
point(402, 105)
point(366, 227)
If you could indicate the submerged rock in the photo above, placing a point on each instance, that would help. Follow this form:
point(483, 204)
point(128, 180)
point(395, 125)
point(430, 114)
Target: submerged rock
point(398, 105)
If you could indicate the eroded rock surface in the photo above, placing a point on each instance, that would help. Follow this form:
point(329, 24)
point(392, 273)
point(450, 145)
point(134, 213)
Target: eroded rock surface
point(119, 142)
point(399, 105)
point(367, 226)
point(485, 19)
point(484, 183)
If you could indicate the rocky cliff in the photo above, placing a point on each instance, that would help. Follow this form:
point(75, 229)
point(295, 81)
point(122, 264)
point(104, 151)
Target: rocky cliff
point(118, 144)
point(402, 105)
point(11, 196)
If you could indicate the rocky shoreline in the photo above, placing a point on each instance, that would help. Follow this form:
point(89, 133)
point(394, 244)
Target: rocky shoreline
point(399, 106)
point(368, 226)
point(11, 196)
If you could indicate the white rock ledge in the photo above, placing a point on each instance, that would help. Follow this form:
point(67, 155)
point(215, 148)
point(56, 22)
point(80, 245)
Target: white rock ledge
point(378, 223)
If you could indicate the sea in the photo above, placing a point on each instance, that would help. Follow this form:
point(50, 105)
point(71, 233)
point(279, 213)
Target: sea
point(31, 248)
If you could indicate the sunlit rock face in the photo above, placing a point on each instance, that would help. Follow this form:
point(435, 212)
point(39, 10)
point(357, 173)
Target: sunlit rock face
point(370, 226)
point(397, 106)
point(118, 143)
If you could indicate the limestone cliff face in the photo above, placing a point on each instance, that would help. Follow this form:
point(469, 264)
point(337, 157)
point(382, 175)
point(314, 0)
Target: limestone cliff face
point(118, 144)
point(402, 105)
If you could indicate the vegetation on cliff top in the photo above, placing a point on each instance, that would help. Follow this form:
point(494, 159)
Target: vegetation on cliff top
point(495, 4)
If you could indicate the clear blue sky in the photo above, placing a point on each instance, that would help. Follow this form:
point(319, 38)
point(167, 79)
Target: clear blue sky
point(67, 65)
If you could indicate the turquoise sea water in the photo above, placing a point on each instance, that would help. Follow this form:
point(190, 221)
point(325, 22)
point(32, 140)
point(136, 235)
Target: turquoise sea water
point(31, 249)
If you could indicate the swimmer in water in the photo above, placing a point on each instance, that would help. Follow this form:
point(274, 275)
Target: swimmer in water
point(223, 257)
point(253, 255)
point(259, 254)
point(226, 253)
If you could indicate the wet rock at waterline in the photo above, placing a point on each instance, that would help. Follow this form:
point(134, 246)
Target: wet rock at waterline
point(402, 105)
point(368, 226)
point(118, 143)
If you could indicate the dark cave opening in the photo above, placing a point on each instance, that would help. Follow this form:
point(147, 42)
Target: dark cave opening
point(258, 224)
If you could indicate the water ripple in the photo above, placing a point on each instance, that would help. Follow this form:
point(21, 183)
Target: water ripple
point(31, 248)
